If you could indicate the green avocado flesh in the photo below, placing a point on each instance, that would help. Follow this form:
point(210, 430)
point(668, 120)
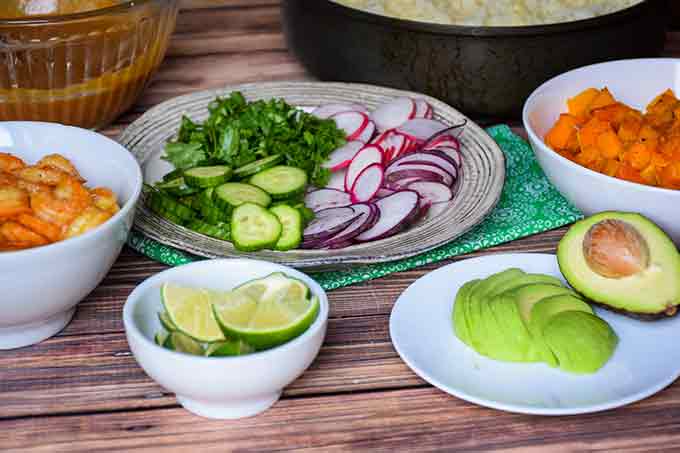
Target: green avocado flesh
point(506, 317)
point(655, 290)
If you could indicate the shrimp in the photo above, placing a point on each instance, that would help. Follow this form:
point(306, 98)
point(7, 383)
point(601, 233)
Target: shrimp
point(7, 179)
point(10, 163)
point(60, 206)
point(105, 199)
point(59, 162)
point(32, 187)
point(41, 175)
point(46, 229)
point(15, 232)
point(91, 218)
point(13, 201)
point(11, 246)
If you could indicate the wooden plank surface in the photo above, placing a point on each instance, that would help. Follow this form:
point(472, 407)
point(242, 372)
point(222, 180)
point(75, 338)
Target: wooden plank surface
point(82, 390)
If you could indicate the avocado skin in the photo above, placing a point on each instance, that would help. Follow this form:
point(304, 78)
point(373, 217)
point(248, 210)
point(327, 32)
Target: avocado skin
point(662, 249)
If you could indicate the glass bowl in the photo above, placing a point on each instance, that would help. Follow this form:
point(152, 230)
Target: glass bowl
point(82, 69)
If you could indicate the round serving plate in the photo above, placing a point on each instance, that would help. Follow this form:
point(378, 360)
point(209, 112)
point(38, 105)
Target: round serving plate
point(478, 190)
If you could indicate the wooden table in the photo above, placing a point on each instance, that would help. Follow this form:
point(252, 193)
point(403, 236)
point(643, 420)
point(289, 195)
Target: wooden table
point(83, 391)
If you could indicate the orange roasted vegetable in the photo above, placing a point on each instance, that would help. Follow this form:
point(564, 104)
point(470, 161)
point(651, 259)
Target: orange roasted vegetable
point(612, 138)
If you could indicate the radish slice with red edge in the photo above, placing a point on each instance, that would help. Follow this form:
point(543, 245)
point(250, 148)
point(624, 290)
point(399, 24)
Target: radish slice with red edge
point(434, 158)
point(341, 157)
point(421, 171)
point(367, 218)
point(367, 184)
point(321, 199)
point(397, 212)
point(353, 123)
point(422, 129)
point(453, 131)
point(430, 112)
point(422, 107)
point(454, 154)
point(394, 113)
point(432, 192)
point(328, 223)
point(337, 180)
point(384, 192)
point(369, 155)
point(328, 110)
point(446, 177)
point(367, 134)
point(402, 184)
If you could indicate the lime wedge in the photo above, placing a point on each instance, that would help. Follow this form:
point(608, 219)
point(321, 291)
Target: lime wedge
point(228, 348)
point(160, 338)
point(166, 322)
point(266, 312)
point(179, 342)
point(189, 310)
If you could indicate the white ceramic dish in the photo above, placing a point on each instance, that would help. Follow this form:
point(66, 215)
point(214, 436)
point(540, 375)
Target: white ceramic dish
point(634, 82)
point(41, 286)
point(220, 387)
point(646, 360)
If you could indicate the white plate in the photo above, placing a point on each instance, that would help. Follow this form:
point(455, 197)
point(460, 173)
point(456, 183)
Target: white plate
point(646, 360)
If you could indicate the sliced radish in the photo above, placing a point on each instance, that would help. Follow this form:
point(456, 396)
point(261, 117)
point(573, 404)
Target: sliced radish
point(402, 184)
point(448, 178)
point(353, 123)
point(451, 131)
point(422, 129)
point(394, 113)
point(337, 180)
point(367, 184)
point(367, 134)
point(369, 155)
point(422, 108)
point(432, 192)
point(329, 222)
point(397, 211)
point(432, 158)
point(444, 140)
point(430, 112)
point(454, 154)
point(328, 110)
point(341, 157)
point(378, 139)
point(384, 192)
point(422, 171)
point(367, 216)
point(321, 199)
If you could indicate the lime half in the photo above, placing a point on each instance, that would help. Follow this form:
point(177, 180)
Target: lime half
point(179, 342)
point(266, 312)
point(189, 310)
point(228, 348)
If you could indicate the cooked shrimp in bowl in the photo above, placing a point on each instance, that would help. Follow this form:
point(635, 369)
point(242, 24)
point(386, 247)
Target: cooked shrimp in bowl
point(47, 202)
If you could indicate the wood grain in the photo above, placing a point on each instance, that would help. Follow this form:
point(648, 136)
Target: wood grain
point(83, 391)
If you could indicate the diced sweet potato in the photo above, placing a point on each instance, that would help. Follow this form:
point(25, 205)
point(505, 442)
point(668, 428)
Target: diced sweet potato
point(613, 113)
point(603, 99)
point(562, 132)
point(638, 156)
point(670, 176)
point(630, 127)
point(588, 134)
point(579, 105)
point(649, 175)
point(609, 144)
point(628, 173)
point(611, 167)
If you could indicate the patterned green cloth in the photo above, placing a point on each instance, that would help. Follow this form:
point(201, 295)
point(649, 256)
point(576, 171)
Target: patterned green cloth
point(529, 205)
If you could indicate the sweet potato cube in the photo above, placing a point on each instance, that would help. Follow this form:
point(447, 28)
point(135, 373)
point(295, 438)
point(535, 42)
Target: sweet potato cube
point(560, 135)
point(579, 105)
point(638, 156)
point(613, 113)
point(670, 176)
point(609, 144)
point(629, 129)
point(588, 134)
point(603, 99)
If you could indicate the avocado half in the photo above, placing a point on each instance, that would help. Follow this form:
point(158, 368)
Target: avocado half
point(624, 262)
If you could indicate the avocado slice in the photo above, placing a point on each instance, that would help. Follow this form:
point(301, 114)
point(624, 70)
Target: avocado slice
point(524, 280)
point(624, 262)
point(529, 295)
point(460, 323)
point(513, 341)
point(542, 313)
point(581, 341)
point(478, 298)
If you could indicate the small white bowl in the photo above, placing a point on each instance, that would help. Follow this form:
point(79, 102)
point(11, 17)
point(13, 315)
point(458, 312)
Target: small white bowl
point(41, 286)
point(220, 387)
point(633, 82)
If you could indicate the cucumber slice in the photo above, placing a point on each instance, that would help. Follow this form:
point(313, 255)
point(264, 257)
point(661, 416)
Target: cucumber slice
point(214, 215)
point(167, 207)
point(281, 182)
point(204, 198)
point(202, 177)
point(174, 174)
point(291, 223)
point(258, 166)
point(176, 187)
point(218, 231)
point(254, 228)
point(232, 194)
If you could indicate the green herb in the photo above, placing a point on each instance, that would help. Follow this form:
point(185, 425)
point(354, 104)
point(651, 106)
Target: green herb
point(238, 132)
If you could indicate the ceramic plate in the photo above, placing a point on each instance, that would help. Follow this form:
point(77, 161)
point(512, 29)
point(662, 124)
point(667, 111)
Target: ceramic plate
point(478, 190)
point(646, 360)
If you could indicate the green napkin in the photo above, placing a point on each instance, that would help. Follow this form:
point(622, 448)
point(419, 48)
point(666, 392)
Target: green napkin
point(529, 204)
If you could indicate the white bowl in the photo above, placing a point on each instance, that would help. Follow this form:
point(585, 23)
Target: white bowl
point(220, 387)
point(41, 286)
point(633, 82)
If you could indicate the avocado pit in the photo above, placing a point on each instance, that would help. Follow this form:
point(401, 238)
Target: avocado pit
point(615, 249)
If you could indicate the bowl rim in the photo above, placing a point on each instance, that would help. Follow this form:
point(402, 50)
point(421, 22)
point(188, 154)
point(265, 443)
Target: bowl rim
point(492, 31)
point(135, 297)
point(127, 5)
point(535, 139)
point(121, 214)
